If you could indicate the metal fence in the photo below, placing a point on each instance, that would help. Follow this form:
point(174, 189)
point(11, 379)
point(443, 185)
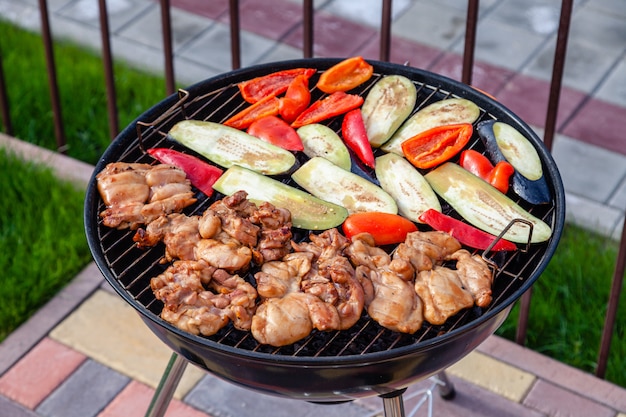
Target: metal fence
point(307, 52)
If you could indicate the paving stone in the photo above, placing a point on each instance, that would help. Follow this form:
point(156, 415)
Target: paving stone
point(613, 87)
point(110, 331)
point(85, 393)
point(120, 12)
point(538, 16)
point(38, 373)
point(272, 20)
point(221, 398)
point(557, 402)
point(135, 398)
point(486, 372)
point(9, 408)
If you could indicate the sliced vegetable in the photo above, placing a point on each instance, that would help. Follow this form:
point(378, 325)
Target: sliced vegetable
point(466, 234)
point(307, 211)
point(320, 140)
point(327, 181)
point(277, 132)
point(333, 105)
point(390, 101)
point(355, 136)
point(296, 100)
point(267, 106)
point(406, 185)
point(226, 147)
point(483, 206)
point(435, 146)
point(272, 84)
point(200, 174)
point(444, 112)
point(504, 143)
point(345, 75)
point(479, 165)
point(385, 228)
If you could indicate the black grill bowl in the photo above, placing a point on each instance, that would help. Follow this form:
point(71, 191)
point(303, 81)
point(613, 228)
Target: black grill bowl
point(363, 361)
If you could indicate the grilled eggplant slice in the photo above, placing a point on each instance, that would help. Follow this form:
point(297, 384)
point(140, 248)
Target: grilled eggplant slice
point(483, 206)
point(321, 140)
point(504, 143)
point(227, 146)
point(331, 183)
point(307, 211)
point(444, 112)
point(390, 101)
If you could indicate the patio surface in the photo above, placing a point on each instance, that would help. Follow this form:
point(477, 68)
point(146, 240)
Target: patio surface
point(87, 353)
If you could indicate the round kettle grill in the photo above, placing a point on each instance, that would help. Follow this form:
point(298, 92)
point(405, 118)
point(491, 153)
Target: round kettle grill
point(326, 367)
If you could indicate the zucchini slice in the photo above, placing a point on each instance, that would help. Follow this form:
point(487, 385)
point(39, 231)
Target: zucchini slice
point(321, 140)
point(444, 112)
point(483, 206)
point(227, 146)
point(307, 211)
point(331, 183)
point(406, 185)
point(390, 101)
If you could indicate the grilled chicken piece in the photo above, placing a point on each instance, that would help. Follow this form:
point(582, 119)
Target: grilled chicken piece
point(189, 304)
point(179, 233)
point(475, 275)
point(136, 194)
point(424, 250)
point(227, 254)
point(275, 240)
point(442, 293)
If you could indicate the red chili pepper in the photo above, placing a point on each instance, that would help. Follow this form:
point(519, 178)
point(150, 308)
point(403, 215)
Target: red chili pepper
point(355, 136)
point(202, 175)
point(463, 232)
point(479, 165)
point(386, 228)
point(267, 106)
point(296, 100)
point(345, 75)
point(333, 105)
point(272, 84)
point(277, 132)
point(435, 146)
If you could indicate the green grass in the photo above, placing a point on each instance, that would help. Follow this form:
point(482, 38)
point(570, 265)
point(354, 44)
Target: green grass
point(82, 90)
point(42, 239)
point(569, 299)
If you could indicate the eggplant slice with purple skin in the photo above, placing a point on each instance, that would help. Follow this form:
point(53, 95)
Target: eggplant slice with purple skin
point(505, 143)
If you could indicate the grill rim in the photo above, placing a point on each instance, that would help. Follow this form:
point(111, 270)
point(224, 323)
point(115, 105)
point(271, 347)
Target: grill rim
point(444, 83)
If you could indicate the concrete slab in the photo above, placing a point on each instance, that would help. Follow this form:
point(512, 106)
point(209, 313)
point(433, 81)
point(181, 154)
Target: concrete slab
point(555, 401)
point(120, 12)
point(538, 16)
point(613, 87)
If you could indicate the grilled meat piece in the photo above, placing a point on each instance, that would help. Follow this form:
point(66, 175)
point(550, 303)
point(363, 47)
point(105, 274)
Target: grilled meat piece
point(136, 194)
point(475, 275)
point(442, 293)
point(424, 250)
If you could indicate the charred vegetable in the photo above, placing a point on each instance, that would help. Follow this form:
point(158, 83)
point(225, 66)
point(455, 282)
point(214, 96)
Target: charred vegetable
point(345, 75)
point(385, 228)
point(307, 211)
point(483, 206)
point(321, 140)
point(435, 146)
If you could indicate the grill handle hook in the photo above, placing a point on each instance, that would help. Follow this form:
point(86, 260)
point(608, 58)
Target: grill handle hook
point(491, 263)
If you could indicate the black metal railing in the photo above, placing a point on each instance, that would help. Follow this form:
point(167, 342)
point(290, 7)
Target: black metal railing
point(308, 13)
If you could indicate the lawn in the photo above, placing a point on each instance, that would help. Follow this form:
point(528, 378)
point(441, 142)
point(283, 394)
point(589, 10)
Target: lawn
point(43, 231)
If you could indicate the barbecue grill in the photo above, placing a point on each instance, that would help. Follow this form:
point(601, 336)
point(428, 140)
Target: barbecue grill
point(326, 367)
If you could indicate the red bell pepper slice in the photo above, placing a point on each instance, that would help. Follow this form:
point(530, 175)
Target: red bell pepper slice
point(267, 106)
point(277, 132)
point(272, 84)
point(385, 228)
point(202, 175)
point(333, 105)
point(355, 136)
point(466, 234)
point(345, 75)
point(296, 100)
point(435, 146)
point(479, 165)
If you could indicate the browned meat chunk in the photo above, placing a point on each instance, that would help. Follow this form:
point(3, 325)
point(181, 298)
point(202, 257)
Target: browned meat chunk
point(475, 276)
point(442, 293)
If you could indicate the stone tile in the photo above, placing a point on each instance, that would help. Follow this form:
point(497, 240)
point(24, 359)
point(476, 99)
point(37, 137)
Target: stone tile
point(613, 7)
point(134, 400)
point(367, 12)
point(498, 377)
point(613, 87)
point(211, 9)
point(528, 98)
point(85, 393)
point(485, 6)
point(222, 398)
point(599, 123)
point(121, 340)
point(119, 12)
point(40, 372)
point(555, 401)
point(602, 29)
point(538, 16)
point(272, 20)
point(434, 25)
point(401, 51)
point(618, 199)
point(333, 36)
point(592, 215)
point(281, 52)
point(146, 29)
point(11, 409)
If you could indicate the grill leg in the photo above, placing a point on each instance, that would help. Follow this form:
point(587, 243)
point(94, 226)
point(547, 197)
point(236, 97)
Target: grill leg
point(165, 391)
point(446, 388)
point(393, 405)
